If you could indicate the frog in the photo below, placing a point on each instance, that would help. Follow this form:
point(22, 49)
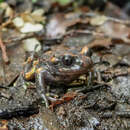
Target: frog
point(57, 67)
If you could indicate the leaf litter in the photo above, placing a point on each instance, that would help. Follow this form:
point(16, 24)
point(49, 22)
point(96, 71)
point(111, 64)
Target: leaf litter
point(109, 36)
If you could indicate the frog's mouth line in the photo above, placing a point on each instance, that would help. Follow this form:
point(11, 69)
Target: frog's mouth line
point(74, 72)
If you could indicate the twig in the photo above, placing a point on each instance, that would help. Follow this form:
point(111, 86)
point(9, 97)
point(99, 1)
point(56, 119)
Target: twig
point(126, 22)
point(16, 39)
point(8, 21)
point(118, 72)
point(4, 54)
point(94, 33)
point(125, 40)
point(2, 46)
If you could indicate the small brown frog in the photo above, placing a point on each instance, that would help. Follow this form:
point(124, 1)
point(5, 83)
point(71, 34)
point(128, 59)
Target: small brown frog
point(57, 67)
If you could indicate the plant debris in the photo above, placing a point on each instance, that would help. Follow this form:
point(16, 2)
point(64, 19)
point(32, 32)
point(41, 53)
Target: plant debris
point(73, 54)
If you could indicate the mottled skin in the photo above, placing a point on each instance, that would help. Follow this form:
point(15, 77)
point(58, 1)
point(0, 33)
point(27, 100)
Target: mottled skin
point(62, 67)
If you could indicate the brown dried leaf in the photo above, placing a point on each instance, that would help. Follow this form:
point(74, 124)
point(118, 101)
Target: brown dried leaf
point(4, 124)
point(9, 72)
point(58, 24)
point(33, 17)
point(98, 20)
point(101, 42)
point(116, 31)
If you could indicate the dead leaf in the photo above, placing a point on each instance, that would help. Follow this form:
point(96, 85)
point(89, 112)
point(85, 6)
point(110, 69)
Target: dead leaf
point(116, 31)
point(59, 23)
point(98, 20)
point(9, 72)
point(29, 27)
point(33, 17)
point(55, 28)
point(100, 42)
point(4, 125)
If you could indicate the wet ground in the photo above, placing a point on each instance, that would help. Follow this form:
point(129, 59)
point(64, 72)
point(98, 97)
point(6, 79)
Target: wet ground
point(104, 104)
point(98, 101)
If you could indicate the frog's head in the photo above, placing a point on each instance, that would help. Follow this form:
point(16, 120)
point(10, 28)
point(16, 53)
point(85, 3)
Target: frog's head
point(72, 64)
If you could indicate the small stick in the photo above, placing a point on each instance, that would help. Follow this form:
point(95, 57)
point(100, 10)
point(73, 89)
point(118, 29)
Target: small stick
point(2, 46)
point(126, 22)
point(4, 54)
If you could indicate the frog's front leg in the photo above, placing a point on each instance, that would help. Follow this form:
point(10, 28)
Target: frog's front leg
point(41, 85)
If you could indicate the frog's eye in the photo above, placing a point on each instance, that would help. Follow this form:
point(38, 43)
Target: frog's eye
point(67, 60)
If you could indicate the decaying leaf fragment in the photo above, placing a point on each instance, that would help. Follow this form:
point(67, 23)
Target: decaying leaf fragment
point(116, 31)
point(98, 20)
point(101, 42)
point(59, 23)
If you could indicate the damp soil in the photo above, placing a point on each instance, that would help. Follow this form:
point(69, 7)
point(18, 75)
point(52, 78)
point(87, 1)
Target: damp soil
point(102, 105)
